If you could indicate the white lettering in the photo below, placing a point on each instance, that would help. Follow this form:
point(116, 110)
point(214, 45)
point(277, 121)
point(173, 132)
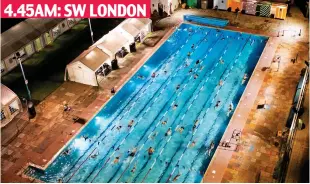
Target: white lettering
point(102, 10)
point(121, 10)
point(91, 8)
point(68, 10)
point(141, 11)
point(39, 11)
point(131, 10)
point(112, 10)
point(79, 10)
point(51, 12)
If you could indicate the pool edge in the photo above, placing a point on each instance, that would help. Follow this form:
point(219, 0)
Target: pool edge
point(237, 121)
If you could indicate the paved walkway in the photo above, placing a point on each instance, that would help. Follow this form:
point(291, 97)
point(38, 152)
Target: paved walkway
point(41, 138)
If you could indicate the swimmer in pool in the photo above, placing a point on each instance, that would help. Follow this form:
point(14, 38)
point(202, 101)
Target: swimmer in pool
point(154, 135)
point(193, 144)
point(175, 106)
point(211, 148)
point(217, 104)
point(230, 108)
point(176, 177)
point(195, 76)
point(221, 83)
point(197, 62)
point(134, 168)
point(195, 125)
point(181, 129)
point(193, 46)
point(116, 160)
point(178, 87)
point(132, 152)
point(95, 155)
point(190, 71)
point(153, 75)
point(221, 61)
point(140, 77)
point(165, 72)
point(59, 180)
point(67, 152)
point(119, 127)
point(189, 54)
point(85, 137)
point(245, 77)
point(130, 123)
point(164, 122)
point(168, 132)
point(150, 151)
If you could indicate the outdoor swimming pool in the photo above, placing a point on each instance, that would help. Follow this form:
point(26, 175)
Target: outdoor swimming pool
point(224, 57)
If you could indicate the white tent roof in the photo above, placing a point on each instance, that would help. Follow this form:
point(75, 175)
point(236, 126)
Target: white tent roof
point(93, 58)
point(113, 41)
point(134, 25)
point(7, 95)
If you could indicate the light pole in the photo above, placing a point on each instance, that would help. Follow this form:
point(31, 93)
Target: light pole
point(25, 80)
point(91, 31)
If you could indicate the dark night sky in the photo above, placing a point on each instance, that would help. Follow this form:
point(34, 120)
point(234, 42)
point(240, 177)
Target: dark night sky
point(8, 23)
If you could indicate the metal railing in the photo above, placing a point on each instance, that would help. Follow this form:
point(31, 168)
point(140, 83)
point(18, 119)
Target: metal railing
point(285, 155)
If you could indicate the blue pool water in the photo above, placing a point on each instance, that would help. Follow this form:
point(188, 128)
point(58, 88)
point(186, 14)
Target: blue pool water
point(150, 101)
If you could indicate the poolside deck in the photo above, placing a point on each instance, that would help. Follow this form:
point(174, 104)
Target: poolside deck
point(41, 139)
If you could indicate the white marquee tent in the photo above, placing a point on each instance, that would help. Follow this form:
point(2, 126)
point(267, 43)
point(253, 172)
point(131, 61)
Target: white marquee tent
point(83, 68)
point(10, 105)
point(112, 43)
point(134, 28)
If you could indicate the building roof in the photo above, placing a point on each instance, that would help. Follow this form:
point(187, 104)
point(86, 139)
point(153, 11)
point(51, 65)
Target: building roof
point(7, 95)
point(21, 34)
point(134, 25)
point(93, 58)
point(113, 41)
point(43, 25)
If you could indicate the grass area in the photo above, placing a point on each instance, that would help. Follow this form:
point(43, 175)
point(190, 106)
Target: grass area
point(45, 69)
point(39, 58)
